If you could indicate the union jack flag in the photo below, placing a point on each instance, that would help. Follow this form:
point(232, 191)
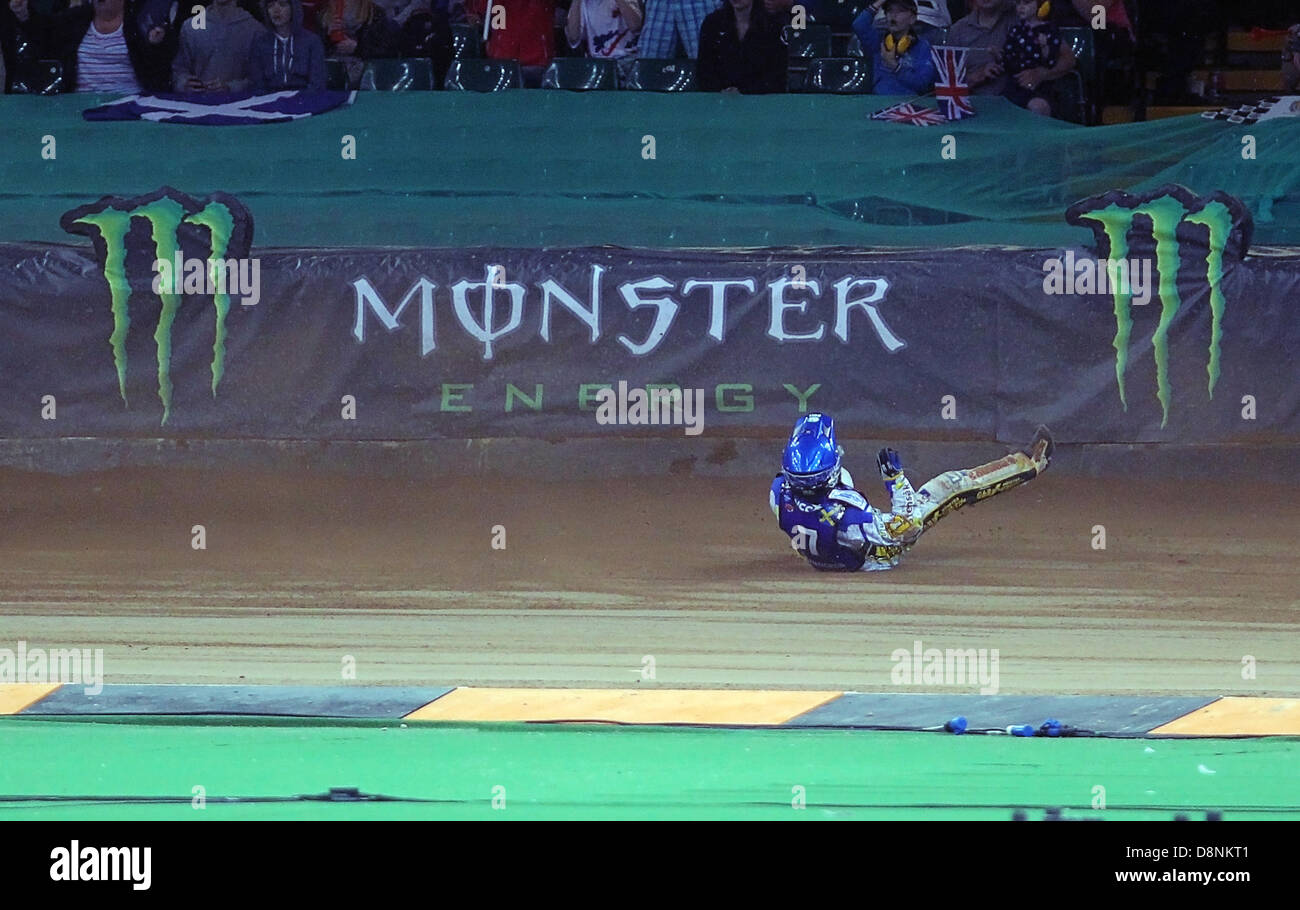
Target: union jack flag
point(910, 113)
point(950, 83)
point(221, 109)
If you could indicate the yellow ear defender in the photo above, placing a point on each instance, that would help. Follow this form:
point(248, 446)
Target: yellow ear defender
point(898, 47)
point(1045, 9)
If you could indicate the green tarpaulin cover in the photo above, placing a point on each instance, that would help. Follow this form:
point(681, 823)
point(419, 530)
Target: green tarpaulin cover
point(560, 169)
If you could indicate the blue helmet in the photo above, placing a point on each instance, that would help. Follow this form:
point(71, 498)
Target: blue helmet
point(811, 462)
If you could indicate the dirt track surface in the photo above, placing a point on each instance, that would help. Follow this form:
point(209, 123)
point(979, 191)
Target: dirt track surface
point(300, 571)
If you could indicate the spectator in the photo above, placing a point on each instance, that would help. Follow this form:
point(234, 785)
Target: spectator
point(527, 36)
point(1291, 60)
point(20, 49)
point(1035, 58)
point(149, 13)
point(900, 58)
point(742, 50)
point(611, 28)
point(215, 58)
point(311, 16)
point(931, 15)
point(668, 22)
point(1173, 44)
point(1114, 44)
point(357, 31)
point(103, 48)
point(400, 12)
point(285, 55)
point(420, 22)
point(984, 32)
point(1080, 14)
point(423, 30)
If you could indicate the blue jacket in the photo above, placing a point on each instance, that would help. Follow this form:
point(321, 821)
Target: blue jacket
point(916, 71)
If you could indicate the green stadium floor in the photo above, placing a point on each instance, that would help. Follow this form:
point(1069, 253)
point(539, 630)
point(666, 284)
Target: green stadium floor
point(102, 768)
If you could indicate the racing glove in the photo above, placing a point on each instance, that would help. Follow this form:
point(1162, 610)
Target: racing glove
point(890, 464)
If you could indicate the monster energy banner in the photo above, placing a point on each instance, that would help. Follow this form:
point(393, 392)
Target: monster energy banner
point(162, 318)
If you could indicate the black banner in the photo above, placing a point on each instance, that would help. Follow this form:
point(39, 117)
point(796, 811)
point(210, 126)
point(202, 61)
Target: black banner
point(1137, 858)
point(135, 337)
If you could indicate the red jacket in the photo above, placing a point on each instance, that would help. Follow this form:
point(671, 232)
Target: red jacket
point(529, 35)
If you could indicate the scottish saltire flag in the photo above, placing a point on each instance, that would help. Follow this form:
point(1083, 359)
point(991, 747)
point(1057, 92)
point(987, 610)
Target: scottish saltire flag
point(910, 113)
point(950, 83)
point(221, 109)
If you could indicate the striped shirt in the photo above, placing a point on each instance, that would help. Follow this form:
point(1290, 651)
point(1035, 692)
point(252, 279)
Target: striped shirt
point(103, 64)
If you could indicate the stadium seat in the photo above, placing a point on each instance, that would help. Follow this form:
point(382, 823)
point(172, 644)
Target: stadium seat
point(1077, 87)
point(839, 76)
point(484, 75)
point(414, 74)
point(581, 74)
point(336, 75)
point(662, 76)
point(803, 45)
point(855, 47)
point(465, 42)
point(1081, 42)
point(813, 41)
point(45, 77)
point(838, 14)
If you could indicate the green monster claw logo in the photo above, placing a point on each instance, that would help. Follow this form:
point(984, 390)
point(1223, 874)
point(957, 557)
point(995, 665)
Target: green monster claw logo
point(173, 223)
point(1169, 219)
